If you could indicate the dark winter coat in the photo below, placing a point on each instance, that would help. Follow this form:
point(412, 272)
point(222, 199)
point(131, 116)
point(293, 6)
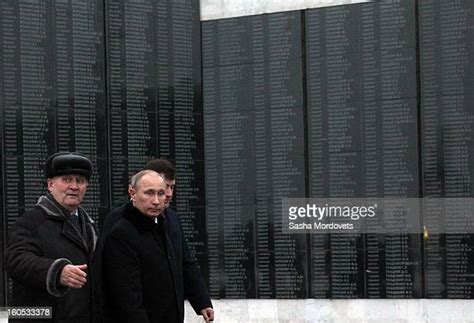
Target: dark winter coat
point(148, 270)
point(41, 243)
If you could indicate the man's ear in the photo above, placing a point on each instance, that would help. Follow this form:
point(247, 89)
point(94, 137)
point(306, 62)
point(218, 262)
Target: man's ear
point(49, 184)
point(131, 191)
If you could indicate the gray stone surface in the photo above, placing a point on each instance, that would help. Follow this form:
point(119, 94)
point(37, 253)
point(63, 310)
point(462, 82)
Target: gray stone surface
point(324, 310)
point(217, 9)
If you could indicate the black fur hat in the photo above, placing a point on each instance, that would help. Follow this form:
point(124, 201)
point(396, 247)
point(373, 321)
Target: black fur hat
point(67, 163)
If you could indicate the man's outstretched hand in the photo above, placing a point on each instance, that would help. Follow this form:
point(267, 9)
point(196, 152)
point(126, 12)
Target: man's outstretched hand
point(208, 314)
point(73, 276)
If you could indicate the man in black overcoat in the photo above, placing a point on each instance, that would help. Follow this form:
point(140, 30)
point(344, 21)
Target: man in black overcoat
point(168, 274)
point(50, 247)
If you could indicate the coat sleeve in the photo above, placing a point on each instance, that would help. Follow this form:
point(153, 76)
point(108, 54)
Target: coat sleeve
point(24, 260)
point(195, 289)
point(122, 280)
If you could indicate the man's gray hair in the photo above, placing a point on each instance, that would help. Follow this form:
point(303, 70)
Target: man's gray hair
point(135, 180)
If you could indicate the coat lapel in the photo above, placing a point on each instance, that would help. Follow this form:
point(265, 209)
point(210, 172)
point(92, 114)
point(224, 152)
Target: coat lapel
point(91, 237)
point(86, 240)
point(71, 232)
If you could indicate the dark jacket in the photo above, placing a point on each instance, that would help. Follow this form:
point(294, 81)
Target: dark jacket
point(147, 272)
point(116, 213)
point(41, 243)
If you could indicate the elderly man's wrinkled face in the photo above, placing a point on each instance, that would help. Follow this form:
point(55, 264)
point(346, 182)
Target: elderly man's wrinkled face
point(68, 190)
point(149, 196)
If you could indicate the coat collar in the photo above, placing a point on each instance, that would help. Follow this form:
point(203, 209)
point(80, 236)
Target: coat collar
point(140, 220)
point(54, 209)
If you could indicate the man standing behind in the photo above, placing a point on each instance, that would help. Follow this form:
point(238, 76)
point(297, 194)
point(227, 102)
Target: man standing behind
point(186, 274)
point(51, 245)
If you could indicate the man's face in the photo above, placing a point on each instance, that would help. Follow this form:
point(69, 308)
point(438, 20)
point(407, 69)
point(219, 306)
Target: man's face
point(169, 191)
point(68, 190)
point(150, 194)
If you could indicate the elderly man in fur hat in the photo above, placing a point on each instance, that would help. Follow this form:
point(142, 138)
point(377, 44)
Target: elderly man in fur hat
point(50, 246)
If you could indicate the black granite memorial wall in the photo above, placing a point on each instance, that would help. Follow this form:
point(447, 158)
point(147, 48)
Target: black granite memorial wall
point(447, 115)
point(154, 100)
point(344, 90)
point(53, 98)
point(362, 126)
point(119, 81)
point(364, 100)
point(254, 141)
